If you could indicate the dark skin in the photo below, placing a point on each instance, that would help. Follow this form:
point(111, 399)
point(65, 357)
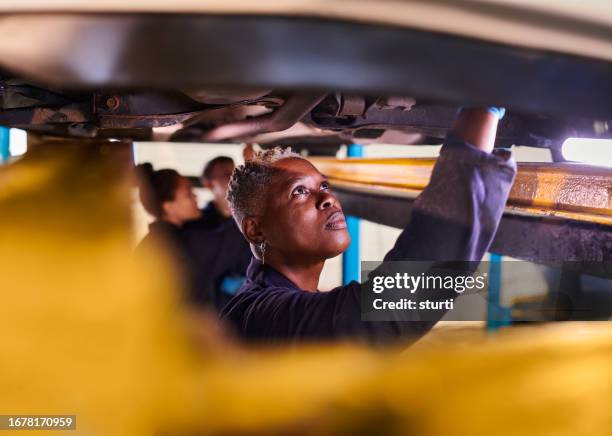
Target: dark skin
point(303, 224)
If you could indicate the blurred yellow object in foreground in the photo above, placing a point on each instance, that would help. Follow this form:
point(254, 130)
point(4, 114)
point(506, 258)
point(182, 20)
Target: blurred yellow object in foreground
point(87, 330)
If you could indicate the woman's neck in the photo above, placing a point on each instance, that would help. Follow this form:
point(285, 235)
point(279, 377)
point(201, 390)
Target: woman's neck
point(304, 275)
point(176, 222)
point(222, 207)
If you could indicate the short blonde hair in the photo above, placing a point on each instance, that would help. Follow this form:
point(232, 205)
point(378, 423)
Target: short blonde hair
point(247, 187)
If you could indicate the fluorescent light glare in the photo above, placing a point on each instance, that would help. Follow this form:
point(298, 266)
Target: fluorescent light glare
point(590, 151)
point(18, 142)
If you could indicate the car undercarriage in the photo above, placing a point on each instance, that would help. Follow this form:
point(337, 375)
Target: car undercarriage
point(307, 82)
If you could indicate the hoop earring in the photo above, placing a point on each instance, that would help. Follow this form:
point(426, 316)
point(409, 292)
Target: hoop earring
point(262, 248)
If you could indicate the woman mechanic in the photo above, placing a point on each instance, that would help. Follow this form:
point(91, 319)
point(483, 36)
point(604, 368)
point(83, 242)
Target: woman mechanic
point(286, 210)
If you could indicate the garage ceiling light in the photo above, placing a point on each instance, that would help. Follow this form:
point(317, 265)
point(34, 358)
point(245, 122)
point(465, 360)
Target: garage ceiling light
point(18, 142)
point(590, 151)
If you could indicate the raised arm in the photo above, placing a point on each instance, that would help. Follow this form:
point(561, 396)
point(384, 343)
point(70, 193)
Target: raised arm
point(457, 214)
point(454, 219)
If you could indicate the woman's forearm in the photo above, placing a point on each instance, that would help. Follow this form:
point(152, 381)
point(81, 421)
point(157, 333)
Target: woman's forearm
point(457, 214)
point(477, 127)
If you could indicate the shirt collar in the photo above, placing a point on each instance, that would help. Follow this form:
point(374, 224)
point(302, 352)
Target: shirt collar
point(266, 276)
point(211, 210)
point(160, 226)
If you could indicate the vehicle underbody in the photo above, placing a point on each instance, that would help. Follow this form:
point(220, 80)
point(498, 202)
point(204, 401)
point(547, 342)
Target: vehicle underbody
point(311, 83)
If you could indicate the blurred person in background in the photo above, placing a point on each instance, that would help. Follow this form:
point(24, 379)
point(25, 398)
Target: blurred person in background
point(170, 199)
point(287, 211)
point(217, 250)
point(215, 177)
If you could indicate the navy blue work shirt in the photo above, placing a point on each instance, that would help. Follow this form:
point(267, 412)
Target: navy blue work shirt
point(454, 219)
point(211, 218)
point(218, 257)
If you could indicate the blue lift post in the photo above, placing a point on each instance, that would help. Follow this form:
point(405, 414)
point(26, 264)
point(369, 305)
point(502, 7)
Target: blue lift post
point(350, 258)
point(497, 316)
point(5, 145)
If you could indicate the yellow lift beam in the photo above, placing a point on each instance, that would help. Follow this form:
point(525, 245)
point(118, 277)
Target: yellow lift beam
point(565, 190)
